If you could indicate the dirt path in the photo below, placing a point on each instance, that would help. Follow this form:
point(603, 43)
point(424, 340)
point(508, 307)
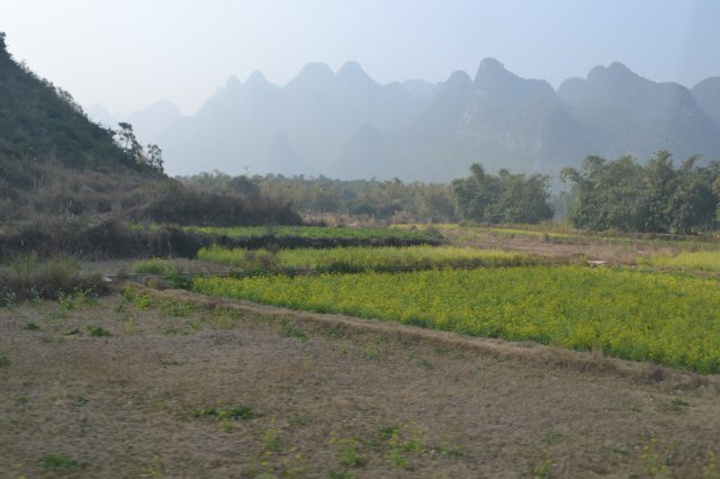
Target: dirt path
point(324, 396)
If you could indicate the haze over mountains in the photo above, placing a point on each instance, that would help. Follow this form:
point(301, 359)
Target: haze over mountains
point(346, 125)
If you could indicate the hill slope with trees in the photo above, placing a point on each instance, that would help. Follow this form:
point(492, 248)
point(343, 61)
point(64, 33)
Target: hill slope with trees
point(55, 162)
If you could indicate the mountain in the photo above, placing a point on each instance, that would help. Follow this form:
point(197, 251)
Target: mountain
point(314, 116)
point(707, 96)
point(630, 115)
point(518, 123)
point(346, 125)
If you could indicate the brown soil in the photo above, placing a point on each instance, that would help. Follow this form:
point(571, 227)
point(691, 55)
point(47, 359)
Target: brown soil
point(330, 397)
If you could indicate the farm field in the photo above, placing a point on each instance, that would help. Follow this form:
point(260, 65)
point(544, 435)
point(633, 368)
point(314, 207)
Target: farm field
point(167, 384)
point(359, 259)
point(515, 371)
point(671, 319)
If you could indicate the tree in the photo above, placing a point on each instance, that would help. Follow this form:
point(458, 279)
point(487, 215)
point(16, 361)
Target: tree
point(506, 198)
point(129, 144)
point(155, 158)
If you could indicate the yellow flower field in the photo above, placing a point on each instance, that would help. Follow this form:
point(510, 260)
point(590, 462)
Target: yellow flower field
point(670, 318)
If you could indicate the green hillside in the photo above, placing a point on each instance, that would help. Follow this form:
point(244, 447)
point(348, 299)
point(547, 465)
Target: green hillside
point(55, 162)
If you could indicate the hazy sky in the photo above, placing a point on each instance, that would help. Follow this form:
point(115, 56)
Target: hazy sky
point(126, 54)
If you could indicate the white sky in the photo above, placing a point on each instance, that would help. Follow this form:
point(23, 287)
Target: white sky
point(126, 54)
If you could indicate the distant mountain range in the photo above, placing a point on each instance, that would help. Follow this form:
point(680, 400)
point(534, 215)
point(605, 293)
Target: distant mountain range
point(346, 125)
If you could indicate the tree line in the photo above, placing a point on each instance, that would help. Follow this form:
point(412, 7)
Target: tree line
point(506, 198)
point(622, 195)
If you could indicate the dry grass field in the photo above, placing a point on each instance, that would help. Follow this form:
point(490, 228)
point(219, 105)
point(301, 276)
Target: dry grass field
point(169, 384)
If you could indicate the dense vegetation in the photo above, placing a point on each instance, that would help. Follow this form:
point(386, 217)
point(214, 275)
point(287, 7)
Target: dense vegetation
point(316, 197)
point(505, 198)
point(669, 318)
point(655, 197)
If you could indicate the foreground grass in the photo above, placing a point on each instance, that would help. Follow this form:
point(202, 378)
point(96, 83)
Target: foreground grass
point(671, 319)
point(359, 259)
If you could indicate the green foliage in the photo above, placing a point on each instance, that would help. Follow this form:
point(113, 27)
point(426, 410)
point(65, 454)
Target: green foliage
point(506, 198)
point(98, 331)
point(156, 266)
point(234, 413)
point(57, 462)
point(672, 319)
point(656, 197)
point(4, 361)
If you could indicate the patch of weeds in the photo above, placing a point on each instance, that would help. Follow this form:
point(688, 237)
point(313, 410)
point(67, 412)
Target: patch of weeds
point(8, 298)
point(31, 327)
point(371, 353)
point(51, 340)
point(635, 407)
point(403, 443)
point(66, 302)
point(551, 437)
point(57, 316)
point(544, 468)
point(73, 332)
point(142, 301)
point(152, 266)
point(121, 308)
point(654, 464)
point(156, 468)
point(22, 400)
point(388, 432)
point(129, 326)
point(195, 325)
point(442, 350)
point(424, 364)
point(711, 470)
point(235, 413)
point(98, 331)
point(348, 451)
point(678, 404)
point(299, 421)
point(4, 361)
point(293, 332)
point(271, 443)
point(79, 400)
point(450, 451)
point(129, 294)
point(86, 297)
point(170, 362)
point(172, 330)
point(26, 264)
point(177, 309)
point(56, 462)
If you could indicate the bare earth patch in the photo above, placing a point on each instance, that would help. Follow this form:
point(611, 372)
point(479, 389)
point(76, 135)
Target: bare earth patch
point(145, 385)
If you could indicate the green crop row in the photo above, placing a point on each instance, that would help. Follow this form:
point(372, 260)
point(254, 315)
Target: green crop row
point(320, 232)
point(673, 319)
point(686, 261)
point(362, 259)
